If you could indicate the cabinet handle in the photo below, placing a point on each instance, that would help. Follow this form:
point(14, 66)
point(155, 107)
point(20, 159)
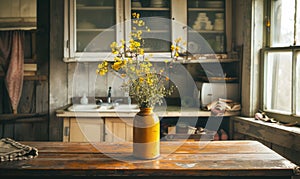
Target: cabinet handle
point(67, 131)
point(68, 44)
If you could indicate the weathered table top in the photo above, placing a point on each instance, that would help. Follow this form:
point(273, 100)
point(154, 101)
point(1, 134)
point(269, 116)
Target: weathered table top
point(222, 159)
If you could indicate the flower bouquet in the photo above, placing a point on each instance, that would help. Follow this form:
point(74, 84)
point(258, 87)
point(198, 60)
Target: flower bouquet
point(146, 84)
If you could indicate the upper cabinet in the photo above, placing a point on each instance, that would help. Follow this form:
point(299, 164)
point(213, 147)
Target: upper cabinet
point(17, 14)
point(206, 20)
point(157, 17)
point(92, 25)
point(93, 18)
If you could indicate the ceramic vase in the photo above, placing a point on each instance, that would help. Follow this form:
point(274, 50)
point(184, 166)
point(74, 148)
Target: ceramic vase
point(146, 134)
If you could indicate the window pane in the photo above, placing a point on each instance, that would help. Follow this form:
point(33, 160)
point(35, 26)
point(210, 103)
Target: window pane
point(298, 24)
point(282, 22)
point(278, 82)
point(298, 84)
point(95, 25)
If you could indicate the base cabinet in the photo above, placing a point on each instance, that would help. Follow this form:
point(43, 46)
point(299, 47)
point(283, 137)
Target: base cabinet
point(86, 129)
point(83, 130)
point(118, 129)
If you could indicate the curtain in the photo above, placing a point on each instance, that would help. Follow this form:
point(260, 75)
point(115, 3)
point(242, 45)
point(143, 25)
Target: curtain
point(12, 62)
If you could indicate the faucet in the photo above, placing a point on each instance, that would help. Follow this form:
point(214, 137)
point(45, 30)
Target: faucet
point(99, 101)
point(109, 95)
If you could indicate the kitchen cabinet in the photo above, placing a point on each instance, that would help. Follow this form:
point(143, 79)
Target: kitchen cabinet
point(118, 129)
point(83, 129)
point(92, 25)
point(206, 19)
point(18, 14)
point(89, 129)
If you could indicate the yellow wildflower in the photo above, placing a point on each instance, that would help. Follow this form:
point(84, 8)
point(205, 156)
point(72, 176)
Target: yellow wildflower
point(117, 65)
point(141, 51)
point(132, 68)
point(178, 40)
point(102, 72)
point(141, 79)
point(150, 81)
point(144, 84)
point(134, 15)
point(117, 59)
point(172, 47)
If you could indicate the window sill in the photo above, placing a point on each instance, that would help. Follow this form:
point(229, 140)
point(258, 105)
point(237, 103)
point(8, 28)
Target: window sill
point(282, 139)
point(292, 129)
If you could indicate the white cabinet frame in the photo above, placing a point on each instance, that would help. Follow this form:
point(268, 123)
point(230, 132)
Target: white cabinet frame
point(179, 28)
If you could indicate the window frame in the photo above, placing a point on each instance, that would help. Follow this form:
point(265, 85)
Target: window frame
point(295, 50)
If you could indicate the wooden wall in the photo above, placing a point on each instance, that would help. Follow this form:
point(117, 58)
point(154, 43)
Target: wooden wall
point(31, 122)
point(58, 70)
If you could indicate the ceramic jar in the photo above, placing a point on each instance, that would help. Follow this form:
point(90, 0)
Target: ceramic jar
point(146, 134)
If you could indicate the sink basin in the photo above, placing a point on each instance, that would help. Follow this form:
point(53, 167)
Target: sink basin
point(85, 107)
point(126, 107)
point(105, 107)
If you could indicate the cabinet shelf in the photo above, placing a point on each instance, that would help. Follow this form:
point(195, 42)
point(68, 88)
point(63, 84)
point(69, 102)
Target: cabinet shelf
point(156, 31)
point(94, 30)
point(208, 61)
point(206, 9)
point(94, 7)
point(208, 31)
point(150, 8)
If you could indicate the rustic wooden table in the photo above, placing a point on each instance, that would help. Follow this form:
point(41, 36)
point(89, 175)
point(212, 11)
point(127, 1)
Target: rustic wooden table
point(208, 159)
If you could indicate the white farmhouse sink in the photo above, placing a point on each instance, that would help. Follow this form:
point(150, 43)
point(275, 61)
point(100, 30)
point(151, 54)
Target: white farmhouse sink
point(85, 108)
point(126, 107)
point(105, 107)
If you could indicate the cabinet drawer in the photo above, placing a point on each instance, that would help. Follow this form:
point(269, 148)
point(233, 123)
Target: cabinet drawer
point(118, 129)
point(86, 130)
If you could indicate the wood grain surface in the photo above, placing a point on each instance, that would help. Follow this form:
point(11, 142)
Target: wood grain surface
point(207, 159)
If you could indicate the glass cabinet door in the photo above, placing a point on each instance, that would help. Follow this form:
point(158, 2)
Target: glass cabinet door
point(95, 23)
point(156, 14)
point(206, 19)
point(92, 25)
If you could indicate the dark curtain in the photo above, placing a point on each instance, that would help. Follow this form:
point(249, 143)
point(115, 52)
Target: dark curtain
point(12, 62)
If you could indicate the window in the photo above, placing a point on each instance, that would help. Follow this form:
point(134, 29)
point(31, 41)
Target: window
point(281, 87)
point(297, 91)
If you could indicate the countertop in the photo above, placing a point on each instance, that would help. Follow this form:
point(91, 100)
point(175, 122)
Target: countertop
point(170, 111)
point(208, 159)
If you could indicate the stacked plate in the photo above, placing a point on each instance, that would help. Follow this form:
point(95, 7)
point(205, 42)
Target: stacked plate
point(158, 3)
point(219, 22)
point(202, 22)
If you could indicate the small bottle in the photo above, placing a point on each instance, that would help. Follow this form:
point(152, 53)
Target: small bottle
point(84, 99)
point(128, 98)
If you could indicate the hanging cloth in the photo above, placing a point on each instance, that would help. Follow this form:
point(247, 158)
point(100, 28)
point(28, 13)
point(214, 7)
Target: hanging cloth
point(12, 62)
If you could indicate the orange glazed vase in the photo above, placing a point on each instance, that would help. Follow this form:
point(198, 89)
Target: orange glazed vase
point(146, 134)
